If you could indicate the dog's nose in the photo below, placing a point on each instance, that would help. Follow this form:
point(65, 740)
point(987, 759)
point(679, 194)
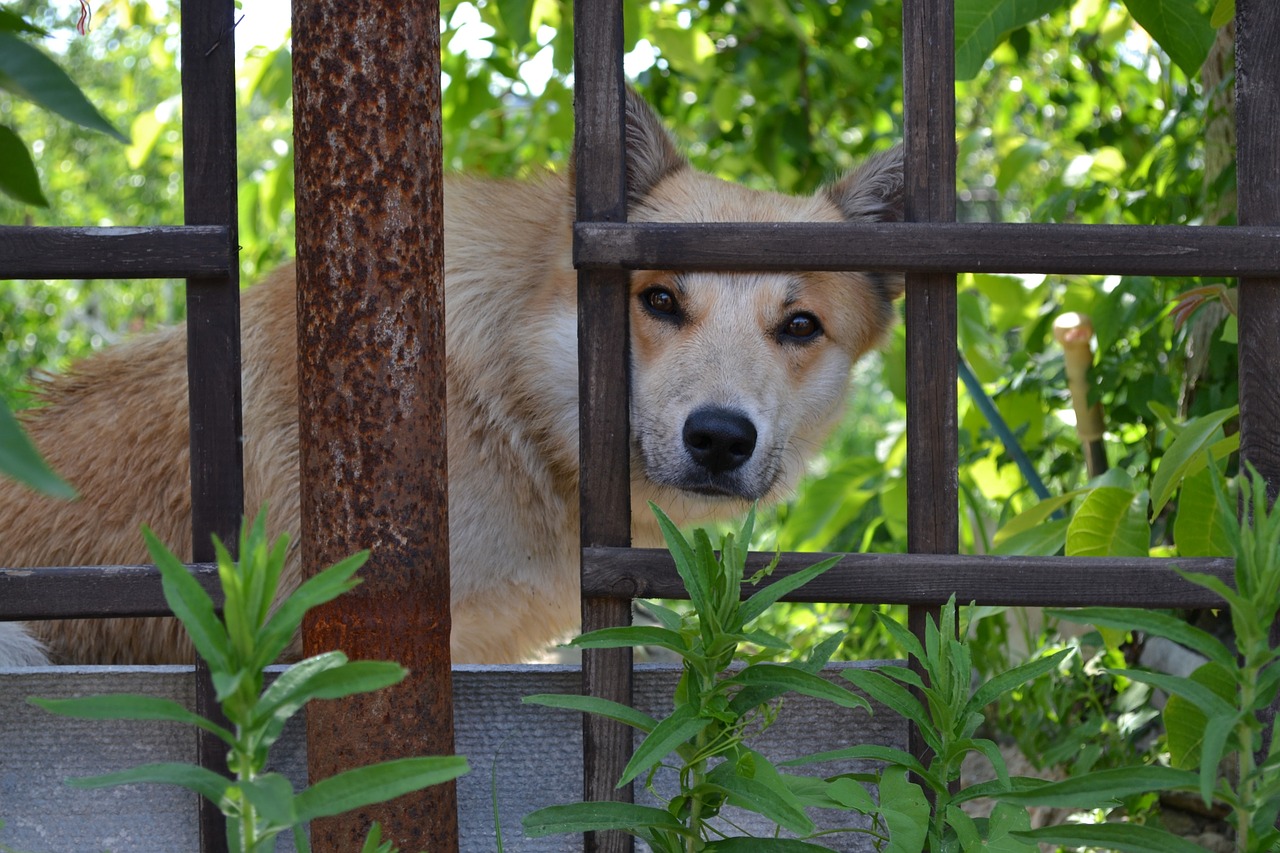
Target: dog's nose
point(719, 439)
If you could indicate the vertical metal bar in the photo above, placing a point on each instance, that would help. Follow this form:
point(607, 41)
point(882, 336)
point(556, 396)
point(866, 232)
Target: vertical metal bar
point(604, 463)
point(928, 84)
point(371, 375)
point(1258, 197)
point(213, 327)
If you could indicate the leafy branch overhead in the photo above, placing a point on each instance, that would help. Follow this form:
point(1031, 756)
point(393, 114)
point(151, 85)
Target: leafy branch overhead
point(28, 73)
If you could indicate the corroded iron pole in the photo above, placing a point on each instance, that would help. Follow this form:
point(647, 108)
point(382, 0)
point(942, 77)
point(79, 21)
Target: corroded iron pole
point(372, 390)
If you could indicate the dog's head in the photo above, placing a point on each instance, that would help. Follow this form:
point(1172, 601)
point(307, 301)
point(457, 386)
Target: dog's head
point(736, 378)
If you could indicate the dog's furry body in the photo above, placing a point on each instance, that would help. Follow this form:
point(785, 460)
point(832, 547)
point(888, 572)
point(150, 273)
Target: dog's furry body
point(736, 379)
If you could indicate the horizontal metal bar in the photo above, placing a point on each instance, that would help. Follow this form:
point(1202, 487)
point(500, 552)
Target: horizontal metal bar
point(160, 251)
point(90, 592)
point(932, 247)
point(930, 579)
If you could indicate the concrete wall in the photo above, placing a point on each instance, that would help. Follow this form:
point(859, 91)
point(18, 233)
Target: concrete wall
point(535, 753)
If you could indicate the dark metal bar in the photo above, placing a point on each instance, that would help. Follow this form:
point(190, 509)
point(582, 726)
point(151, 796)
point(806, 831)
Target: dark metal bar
point(1258, 197)
point(161, 251)
point(89, 592)
point(928, 580)
point(604, 483)
point(933, 247)
point(372, 392)
point(213, 327)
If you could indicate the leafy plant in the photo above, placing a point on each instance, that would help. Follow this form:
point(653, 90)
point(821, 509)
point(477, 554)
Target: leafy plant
point(947, 713)
point(1216, 717)
point(238, 647)
point(714, 710)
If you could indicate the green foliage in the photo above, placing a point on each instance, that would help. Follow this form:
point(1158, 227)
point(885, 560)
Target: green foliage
point(20, 460)
point(259, 805)
point(714, 709)
point(1216, 716)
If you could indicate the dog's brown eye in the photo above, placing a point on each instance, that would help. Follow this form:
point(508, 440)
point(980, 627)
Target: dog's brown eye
point(801, 327)
point(659, 300)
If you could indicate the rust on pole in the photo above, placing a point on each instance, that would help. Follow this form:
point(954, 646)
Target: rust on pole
point(372, 391)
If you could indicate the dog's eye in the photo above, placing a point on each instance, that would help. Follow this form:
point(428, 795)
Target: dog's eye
point(802, 327)
point(659, 300)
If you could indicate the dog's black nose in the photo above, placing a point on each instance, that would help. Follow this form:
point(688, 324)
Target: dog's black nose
point(719, 439)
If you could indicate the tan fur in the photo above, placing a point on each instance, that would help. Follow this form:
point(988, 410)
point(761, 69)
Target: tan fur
point(115, 426)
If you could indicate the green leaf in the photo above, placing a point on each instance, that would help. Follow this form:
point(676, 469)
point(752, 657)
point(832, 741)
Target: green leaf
point(786, 678)
point(1110, 523)
point(272, 795)
point(893, 696)
point(126, 706)
point(1125, 837)
point(981, 25)
point(321, 588)
point(683, 724)
point(1203, 697)
point(1223, 12)
point(1200, 528)
point(30, 74)
point(871, 752)
point(594, 705)
point(906, 812)
point(20, 181)
point(343, 678)
point(1152, 622)
point(19, 458)
point(1186, 454)
point(1006, 681)
point(516, 15)
point(593, 817)
point(1043, 540)
point(763, 845)
point(763, 794)
point(1092, 790)
point(631, 635)
point(376, 783)
point(204, 782)
point(1180, 28)
point(192, 605)
point(14, 23)
point(758, 603)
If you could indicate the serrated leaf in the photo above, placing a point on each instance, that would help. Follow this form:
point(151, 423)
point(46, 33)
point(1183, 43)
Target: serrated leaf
point(981, 25)
point(1180, 28)
point(594, 705)
point(1111, 522)
point(29, 73)
point(376, 783)
point(19, 458)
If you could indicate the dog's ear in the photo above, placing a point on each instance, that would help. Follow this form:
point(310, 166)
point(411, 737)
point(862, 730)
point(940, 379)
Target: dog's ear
point(874, 193)
point(651, 152)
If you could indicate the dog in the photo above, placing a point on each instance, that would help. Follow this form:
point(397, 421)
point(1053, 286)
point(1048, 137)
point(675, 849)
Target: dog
point(736, 379)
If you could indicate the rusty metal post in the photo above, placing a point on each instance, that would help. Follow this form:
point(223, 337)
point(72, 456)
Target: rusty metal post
point(372, 390)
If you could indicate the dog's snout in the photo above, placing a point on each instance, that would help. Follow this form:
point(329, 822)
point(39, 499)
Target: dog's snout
point(719, 440)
